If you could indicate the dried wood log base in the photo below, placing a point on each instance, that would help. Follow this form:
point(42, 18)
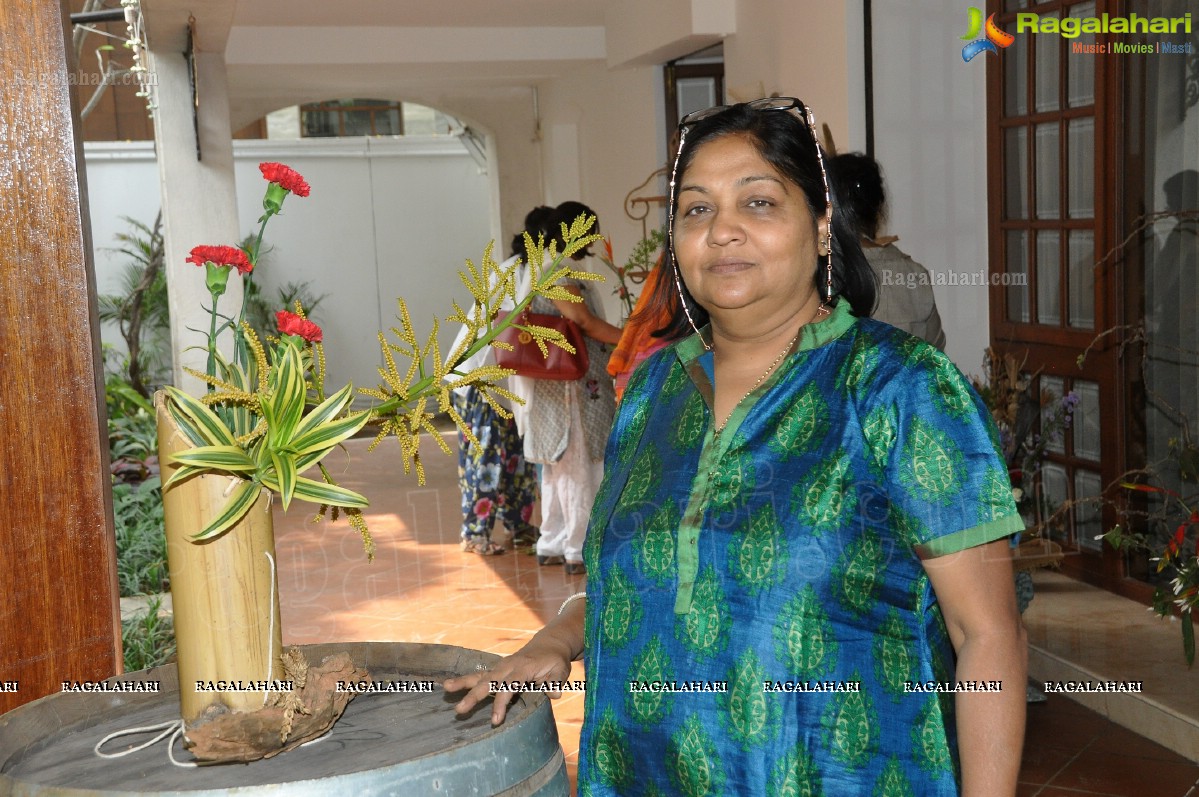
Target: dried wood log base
point(290, 719)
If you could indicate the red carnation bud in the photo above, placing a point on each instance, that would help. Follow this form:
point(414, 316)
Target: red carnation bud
point(285, 176)
point(291, 324)
point(228, 256)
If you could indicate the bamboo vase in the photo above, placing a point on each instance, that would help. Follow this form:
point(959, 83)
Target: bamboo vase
point(224, 591)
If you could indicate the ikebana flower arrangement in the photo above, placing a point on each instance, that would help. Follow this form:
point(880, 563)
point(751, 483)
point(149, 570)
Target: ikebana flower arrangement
point(643, 259)
point(260, 431)
point(1007, 391)
point(1177, 515)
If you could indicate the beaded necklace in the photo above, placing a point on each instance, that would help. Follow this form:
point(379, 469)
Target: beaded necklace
point(820, 311)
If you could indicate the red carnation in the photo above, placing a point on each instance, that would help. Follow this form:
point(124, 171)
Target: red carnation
point(291, 324)
point(228, 256)
point(285, 176)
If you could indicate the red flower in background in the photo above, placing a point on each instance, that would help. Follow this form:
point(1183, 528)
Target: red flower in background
point(286, 177)
point(291, 324)
point(228, 256)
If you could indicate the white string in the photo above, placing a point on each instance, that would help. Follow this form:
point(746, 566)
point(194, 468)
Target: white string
point(172, 728)
point(270, 649)
point(169, 725)
point(99, 32)
point(175, 728)
point(171, 748)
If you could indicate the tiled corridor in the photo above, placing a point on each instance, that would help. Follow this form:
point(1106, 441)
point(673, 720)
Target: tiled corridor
point(422, 588)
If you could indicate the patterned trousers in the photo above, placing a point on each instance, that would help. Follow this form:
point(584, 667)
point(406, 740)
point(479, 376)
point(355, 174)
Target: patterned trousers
point(494, 477)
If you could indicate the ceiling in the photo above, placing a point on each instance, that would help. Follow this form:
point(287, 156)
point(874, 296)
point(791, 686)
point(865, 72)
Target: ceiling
point(283, 52)
point(422, 13)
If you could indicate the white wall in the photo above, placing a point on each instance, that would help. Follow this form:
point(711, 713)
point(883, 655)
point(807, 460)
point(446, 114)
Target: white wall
point(122, 180)
point(386, 218)
point(931, 140)
point(792, 49)
point(929, 125)
point(603, 129)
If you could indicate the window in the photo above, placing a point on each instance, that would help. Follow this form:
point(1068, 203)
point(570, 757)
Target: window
point(1051, 301)
point(692, 83)
point(1161, 264)
point(1093, 195)
point(358, 117)
point(1047, 225)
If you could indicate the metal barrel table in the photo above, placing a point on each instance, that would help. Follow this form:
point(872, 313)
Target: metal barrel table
point(404, 743)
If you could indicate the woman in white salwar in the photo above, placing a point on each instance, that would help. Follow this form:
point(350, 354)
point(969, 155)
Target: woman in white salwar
point(566, 424)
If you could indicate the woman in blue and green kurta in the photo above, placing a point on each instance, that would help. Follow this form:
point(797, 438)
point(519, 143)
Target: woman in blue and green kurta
point(802, 525)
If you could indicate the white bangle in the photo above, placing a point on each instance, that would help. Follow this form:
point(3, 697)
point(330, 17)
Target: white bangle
point(569, 601)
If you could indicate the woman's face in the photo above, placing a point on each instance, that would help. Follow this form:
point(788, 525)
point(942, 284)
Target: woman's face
point(743, 234)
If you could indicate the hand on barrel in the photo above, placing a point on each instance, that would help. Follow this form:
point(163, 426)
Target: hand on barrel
point(547, 657)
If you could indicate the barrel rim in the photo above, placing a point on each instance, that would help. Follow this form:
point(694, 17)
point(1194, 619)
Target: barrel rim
point(529, 718)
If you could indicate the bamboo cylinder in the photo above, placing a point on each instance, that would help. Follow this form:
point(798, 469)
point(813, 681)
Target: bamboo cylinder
point(224, 591)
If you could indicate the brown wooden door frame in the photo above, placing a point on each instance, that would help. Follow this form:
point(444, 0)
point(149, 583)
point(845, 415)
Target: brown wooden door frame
point(671, 73)
point(1055, 349)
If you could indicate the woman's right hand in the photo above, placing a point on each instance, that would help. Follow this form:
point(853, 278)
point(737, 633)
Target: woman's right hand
point(546, 657)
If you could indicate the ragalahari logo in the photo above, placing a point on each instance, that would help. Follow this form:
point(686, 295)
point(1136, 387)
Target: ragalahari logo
point(992, 38)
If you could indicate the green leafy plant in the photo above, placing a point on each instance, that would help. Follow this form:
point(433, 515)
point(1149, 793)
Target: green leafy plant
point(271, 441)
point(140, 309)
point(132, 431)
point(148, 640)
point(141, 541)
point(252, 423)
point(1173, 517)
point(642, 260)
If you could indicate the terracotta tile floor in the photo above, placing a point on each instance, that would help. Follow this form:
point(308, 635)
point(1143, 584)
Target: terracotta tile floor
point(422, 588)
point(1071, 750)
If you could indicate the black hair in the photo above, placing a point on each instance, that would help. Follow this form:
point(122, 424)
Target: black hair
point(859, 183)
point(541, 220)
point(566, 213)
point(787, 144)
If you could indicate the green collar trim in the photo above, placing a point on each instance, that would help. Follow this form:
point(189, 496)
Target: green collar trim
point(812, 336)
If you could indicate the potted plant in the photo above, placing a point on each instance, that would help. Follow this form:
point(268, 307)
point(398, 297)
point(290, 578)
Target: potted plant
point(1170, 518)
point(259, 434)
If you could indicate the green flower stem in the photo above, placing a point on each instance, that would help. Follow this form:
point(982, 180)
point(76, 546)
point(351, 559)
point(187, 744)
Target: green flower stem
point(210, 368)
point(627, 299)
point(258, 241)
point(241, 353)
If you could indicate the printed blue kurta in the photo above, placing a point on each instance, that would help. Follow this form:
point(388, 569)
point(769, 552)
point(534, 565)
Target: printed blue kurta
point(780, 555)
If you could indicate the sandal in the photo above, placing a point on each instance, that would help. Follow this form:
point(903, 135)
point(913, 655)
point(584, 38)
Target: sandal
point(526, 537)
point(576, 569)
point(549, 560)
point(482, 547)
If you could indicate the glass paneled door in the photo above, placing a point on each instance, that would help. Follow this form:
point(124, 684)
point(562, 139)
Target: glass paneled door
point(1046, 138)
point(1094, 223)
point(1162, 151)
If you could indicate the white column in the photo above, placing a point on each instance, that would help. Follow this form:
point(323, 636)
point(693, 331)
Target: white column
point(199, 199)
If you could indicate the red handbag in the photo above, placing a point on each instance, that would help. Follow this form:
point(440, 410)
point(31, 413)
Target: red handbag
point(526, 358)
